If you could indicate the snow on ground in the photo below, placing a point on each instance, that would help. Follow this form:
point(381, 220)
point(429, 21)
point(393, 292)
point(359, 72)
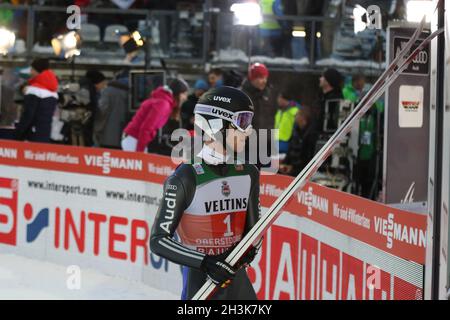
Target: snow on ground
point(24, 278)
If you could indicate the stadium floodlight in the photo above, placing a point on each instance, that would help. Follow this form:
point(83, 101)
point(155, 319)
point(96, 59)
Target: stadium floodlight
point(7, 40)
point(415, 9)
point(247, 13)
point(68, 44)
point(299, 33)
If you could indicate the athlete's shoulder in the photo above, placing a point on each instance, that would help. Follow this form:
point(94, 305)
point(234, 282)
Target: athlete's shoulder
point(252, 170)
point(185, 172)
point(184, 169)
point(183, 180)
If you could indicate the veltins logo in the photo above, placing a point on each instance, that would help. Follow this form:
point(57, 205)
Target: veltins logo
point(8, 211)
point(35, 224)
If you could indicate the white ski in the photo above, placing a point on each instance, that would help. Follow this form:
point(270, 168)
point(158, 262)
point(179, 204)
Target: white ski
point(386, 79)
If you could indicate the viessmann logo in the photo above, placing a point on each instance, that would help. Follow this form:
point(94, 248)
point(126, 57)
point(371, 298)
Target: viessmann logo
point(8, 153)
point(312, 201)
point(106, 162)
point(399, 232)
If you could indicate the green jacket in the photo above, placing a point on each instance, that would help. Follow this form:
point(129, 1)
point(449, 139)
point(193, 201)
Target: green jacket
point(367, 124)
point(285, 121)
point(6, 17)
point(350, 93)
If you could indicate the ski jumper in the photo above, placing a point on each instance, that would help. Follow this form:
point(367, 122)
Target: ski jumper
point(210, 208)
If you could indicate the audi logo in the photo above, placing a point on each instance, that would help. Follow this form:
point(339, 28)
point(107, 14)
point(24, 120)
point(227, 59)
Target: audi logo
point(421, 58)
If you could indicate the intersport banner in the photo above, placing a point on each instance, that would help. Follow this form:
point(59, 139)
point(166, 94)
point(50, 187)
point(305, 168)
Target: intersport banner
point(94, 208)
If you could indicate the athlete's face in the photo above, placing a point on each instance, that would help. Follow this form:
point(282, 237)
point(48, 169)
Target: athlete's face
point(236, 139)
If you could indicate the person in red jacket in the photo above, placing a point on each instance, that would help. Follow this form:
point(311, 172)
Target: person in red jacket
point(40, 100)
point(153, 114)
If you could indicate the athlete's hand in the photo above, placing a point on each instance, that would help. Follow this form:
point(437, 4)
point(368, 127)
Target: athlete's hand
point(220, 272)
point(248, 257)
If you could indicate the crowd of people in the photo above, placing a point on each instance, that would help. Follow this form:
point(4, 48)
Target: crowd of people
point(107, 123)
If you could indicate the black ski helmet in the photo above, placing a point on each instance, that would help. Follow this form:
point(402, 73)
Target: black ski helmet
point(220, 105)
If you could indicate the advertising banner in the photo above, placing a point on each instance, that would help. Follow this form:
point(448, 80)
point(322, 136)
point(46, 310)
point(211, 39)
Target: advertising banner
point(406, 122)
point(95, 207)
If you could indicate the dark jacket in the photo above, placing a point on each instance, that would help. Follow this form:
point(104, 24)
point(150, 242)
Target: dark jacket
point(110, 119)
point(333, 107)
point(88, 129)
point(8, 111)
point(162, 143)
point(187, 112)
point(302, 147)
point(265, 105)
point(39, 105)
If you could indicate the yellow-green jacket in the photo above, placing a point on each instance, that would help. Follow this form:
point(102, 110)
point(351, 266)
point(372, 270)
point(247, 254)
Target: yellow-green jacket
point(285, 121)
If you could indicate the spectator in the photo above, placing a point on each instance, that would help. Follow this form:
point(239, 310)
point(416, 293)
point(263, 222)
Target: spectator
point(303, 143)
point(94, 82)
point(153, 114)
point(331, 85)
point(215, 77)
point(8, 112)
point(232, 78)
point(353, 90)
point(264, 102)
point(111, 114)
point(260, 93)
point(187, 109)
point(270, 29)
point(285, 120)
point(6, 17)
point(365, 171)
point(39, 104)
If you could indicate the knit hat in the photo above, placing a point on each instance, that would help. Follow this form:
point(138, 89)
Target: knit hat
point(201, 84)
point(178, 86)
point(333, 77)
point(40, 65)
point(258, 70)
point(95, 76)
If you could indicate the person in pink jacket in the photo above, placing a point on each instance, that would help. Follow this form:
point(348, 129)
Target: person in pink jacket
point(153, 114)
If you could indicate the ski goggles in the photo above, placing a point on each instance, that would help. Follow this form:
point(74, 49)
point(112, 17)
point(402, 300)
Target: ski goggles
point(242, 120)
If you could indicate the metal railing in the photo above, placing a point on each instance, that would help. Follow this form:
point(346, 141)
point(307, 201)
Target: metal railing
point(173, 21)
point(186, 37)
